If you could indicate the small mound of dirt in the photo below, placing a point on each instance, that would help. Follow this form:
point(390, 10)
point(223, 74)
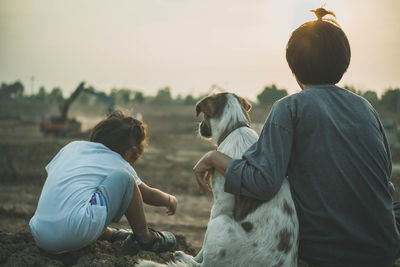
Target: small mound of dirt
point(19, 249)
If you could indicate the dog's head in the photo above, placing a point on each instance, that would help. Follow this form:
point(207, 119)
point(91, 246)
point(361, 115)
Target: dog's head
point(221, 112)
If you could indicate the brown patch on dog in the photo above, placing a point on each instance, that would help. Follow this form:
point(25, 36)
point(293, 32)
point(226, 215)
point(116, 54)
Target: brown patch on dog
point(247, 226)
point(287, 209)
point(222, 253)
point(211, 106)
point(245, 105)
point(284, 237)
point(244, 206)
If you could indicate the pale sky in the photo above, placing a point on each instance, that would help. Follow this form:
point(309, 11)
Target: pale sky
point(185, 44)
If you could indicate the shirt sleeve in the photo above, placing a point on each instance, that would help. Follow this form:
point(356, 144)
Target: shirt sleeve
point(260, 172)
point(389, 157)
point(50, 165)
point(385, 141)
point(134, 174)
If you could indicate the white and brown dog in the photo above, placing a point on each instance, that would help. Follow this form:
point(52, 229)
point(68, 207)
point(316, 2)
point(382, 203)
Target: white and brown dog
point(241, 231)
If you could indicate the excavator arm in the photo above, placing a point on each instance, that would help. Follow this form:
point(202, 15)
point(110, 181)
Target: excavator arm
point(64, 106)
point(103, 97)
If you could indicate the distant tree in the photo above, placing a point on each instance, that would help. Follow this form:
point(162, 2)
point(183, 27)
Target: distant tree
point(372, 97)
point(56, 95)
point(179, 99)
point(189, 100)
point(390, 100)
point(270, 94)
point(122, 96)
point(41, 95)
point(11, 91)
point(138, 97)
point(163, 96)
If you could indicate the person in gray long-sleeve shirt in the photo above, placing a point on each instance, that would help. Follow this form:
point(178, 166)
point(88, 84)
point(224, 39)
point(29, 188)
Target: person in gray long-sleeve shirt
point(330, 144)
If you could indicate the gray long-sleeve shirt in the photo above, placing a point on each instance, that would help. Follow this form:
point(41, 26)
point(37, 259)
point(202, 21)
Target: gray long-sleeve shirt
point(331, 146)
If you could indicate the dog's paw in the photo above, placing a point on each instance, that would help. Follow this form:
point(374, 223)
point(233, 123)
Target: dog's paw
point(180, 256)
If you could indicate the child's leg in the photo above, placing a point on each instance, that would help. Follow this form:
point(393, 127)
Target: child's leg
point(123, 196)
point(153, 241)
point(113, 234)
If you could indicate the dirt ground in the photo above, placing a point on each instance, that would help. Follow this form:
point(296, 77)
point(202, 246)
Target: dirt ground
point(173, 149)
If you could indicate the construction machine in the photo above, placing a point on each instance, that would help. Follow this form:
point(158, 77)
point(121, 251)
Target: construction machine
point(61, 125)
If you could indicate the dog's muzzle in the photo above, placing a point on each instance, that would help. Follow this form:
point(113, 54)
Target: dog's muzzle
point(205, 129)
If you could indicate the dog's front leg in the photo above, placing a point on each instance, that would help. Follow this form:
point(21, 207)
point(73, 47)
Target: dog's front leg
point(224, 203)
point(199, 257)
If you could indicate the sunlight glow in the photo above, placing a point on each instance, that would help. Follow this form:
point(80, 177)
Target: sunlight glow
point(187, 45)
point(299, 12)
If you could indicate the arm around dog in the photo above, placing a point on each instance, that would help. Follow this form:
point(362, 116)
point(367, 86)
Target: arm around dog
point(204, 168)
point(260, 172)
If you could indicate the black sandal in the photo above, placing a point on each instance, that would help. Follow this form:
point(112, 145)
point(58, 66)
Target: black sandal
point(120, 234)
point(162, 242)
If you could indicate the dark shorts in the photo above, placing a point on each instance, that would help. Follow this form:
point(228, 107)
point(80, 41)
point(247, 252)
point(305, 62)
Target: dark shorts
point(117, 189)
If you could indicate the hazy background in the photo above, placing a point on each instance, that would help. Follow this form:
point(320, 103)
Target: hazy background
point(185, 44)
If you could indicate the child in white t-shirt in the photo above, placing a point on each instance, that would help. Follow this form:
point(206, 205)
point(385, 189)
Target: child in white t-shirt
point(91, 184)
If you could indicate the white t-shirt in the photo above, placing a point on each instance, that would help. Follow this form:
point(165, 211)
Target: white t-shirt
point(64, 219)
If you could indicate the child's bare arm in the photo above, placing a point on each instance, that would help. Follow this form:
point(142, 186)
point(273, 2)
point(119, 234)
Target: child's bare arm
point(156, 197)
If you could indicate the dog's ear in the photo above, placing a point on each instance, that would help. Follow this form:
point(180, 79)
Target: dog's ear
point(244, 103)
point(212, 105)
point(206, 105)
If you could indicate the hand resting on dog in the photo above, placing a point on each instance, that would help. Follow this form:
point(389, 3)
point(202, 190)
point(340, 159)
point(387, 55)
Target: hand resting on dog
point(205, 167)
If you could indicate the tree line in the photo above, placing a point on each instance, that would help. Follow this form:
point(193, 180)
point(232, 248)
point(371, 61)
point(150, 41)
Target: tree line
point(121, 96)
point(388, 101)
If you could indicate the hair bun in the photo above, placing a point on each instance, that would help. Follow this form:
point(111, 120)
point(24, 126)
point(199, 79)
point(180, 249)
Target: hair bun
point(321, 12)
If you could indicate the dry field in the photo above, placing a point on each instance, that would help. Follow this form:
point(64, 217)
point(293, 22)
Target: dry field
point(173, 149)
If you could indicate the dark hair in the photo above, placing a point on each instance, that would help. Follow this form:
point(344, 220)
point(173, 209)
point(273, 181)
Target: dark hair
point(121, 134)
point(318, 51)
